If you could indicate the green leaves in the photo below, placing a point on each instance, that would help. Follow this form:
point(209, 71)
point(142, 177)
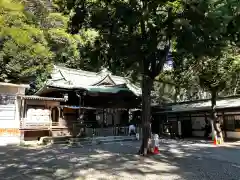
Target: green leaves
point(132, 31)
point(206, 28)
point(129, 37)
point(56, 20)
point(64, 45)
point(34, 36)
point(24, 51)
point(204, 37)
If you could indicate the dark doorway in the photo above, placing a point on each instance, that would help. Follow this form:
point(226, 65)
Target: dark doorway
point(155, 124)
point(186, 128)
point(55, 115)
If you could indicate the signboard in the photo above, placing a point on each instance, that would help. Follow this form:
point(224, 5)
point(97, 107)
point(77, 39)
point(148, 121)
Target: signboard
point(7, 107)
point(6, 99)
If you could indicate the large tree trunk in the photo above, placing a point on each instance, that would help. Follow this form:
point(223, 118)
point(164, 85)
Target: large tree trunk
point(215, 124)
point(147, 84)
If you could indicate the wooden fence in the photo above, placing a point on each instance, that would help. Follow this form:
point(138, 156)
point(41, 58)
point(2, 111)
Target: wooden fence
point(110, 131)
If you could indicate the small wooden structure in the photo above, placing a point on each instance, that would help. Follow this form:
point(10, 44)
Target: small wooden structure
point(39, 116)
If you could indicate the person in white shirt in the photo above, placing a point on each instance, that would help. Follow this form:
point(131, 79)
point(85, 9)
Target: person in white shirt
point(132, 129)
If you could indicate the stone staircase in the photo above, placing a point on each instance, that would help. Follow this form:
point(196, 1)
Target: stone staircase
point(85, 141)
point(107, 139)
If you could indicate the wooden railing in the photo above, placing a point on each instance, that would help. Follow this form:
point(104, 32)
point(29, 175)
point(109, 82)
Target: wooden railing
point(25, 124)
point(77, 127)
point(110, 131)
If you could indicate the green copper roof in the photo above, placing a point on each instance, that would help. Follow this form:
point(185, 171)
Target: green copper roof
point(67, 78)
point(112, 90)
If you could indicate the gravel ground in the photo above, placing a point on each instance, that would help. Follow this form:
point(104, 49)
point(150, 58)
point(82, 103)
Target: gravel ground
point(116, 162)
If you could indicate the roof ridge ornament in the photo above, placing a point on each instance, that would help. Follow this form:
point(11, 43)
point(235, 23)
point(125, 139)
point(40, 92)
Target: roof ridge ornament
point(106, 79)
point(105, 71)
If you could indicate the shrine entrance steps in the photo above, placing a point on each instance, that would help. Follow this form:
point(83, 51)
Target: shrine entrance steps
point(84, 141)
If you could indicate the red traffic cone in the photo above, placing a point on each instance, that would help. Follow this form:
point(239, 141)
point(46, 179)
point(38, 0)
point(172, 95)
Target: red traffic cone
point(215, 141)
point(156, 150)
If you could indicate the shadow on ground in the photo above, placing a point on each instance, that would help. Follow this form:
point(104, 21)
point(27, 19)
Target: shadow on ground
point(109, 161)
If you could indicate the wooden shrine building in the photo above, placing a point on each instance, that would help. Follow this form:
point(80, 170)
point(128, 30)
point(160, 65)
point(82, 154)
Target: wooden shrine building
point(87, 100)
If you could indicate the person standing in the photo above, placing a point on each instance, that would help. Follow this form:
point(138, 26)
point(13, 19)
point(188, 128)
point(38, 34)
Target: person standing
point(131, 129)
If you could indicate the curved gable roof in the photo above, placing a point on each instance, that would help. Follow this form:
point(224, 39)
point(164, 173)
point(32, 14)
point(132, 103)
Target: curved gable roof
point(63, 77)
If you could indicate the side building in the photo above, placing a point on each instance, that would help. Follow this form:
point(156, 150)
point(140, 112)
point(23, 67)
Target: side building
point(193, 115)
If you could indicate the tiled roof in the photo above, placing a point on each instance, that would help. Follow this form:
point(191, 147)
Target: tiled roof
point(206, 105)
point(68, 78)
point(42, 98)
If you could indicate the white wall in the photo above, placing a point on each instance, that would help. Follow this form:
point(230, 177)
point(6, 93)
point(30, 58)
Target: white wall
point(198, 122)
point(10, 124)
point(198, 133)
point(234, 135)
point(8, 90)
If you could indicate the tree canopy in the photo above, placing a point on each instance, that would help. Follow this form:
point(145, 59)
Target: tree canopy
point(136, 36)
point(33, 37)
point(130, 38)
point(24, 51)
